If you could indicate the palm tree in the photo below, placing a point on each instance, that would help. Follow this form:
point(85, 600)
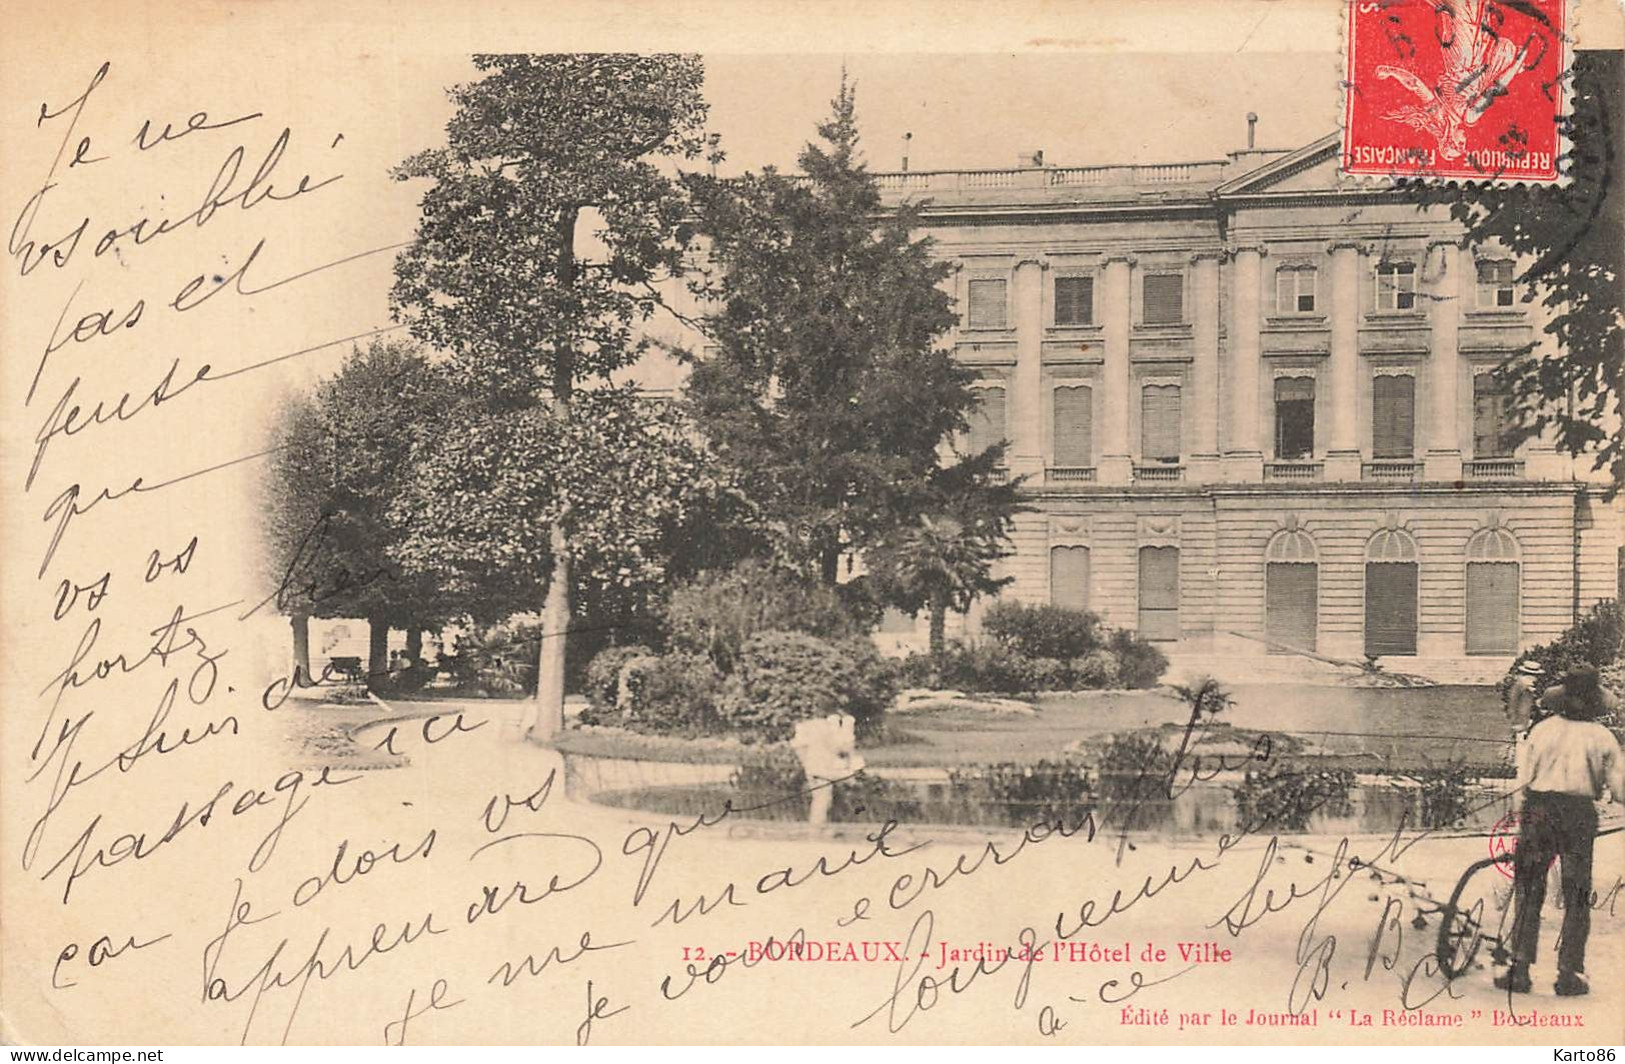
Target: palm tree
point(942, 563)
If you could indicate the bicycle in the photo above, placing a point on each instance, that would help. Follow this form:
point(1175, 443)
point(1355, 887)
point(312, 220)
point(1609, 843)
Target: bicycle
point(1461, 929)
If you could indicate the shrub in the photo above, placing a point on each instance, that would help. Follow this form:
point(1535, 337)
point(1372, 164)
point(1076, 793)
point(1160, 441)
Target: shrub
point(877, 684)
point(718, 612)
point(1050, 674)
point(603, 682)
point(1594, 640)
point(991, 668)
point(917, 670)
point(1282, 797)
point(1043, 631)
point(1444, 795)
point(1134, 768)
point(771, 773)
point(783, 677)
point(676, 692)
point(1096, 670)
point(1046, 790)
point(1139, 662)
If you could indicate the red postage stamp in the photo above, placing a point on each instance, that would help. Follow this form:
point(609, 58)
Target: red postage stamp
point(1464, 90)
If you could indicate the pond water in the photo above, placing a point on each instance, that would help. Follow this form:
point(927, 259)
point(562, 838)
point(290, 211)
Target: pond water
point(1206, 809)
point(919, 774)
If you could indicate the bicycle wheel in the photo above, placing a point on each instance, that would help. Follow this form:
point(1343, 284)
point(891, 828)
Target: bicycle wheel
point(1475, 913)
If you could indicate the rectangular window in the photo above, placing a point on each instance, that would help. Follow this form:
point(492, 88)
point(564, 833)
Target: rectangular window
point(1069, 577)
point(1396, 286)
point(1159, 593)
point(987, 426)
point(1074, 300)
point(1159, 423)
point(1074, 427)
point(1393, 417)
point(1492, 419)
point(1295, 290)
point(988, 306)
point(1294, 417)
point(1495, 283)
point(1164, 298)
point(1492, 608)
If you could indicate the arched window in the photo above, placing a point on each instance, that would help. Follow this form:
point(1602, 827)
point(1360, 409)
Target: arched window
point(1291, 592)
point(1390, 593)
point(1492, 592)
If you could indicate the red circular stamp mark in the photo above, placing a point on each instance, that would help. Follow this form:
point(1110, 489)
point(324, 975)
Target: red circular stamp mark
point(1471, 89)
point(1504, 840)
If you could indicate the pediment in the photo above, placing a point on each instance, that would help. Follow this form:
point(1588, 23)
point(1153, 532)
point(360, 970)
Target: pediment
point(1312, 168)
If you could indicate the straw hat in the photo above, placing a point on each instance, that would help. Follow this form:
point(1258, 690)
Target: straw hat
point(1530, 667)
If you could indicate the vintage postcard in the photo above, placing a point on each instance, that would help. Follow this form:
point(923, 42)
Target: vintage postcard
point(889, 525)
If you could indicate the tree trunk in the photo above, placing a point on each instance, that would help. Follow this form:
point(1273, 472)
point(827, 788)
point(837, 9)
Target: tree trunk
point(548, 719)
point(414, 644)
point(377, 649)
point(300, 622)
point(939, 624)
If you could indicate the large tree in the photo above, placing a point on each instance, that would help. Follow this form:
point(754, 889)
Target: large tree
point(495, 278)
point(1570, 237)
point(340, 466)
point(648, 508)
point(828, 387)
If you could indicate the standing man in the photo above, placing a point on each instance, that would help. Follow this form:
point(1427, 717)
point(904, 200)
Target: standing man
point(1521, 695)
point(1520, 707)
point(1567, 762)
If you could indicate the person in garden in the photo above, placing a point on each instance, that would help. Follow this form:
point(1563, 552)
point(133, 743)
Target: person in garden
point(1565, 766)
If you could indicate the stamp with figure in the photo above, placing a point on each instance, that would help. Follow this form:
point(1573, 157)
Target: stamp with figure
point(1459, 90)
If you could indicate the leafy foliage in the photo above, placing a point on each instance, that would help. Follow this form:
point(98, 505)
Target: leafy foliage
point(332, 534)
point(635, 486)
point(494, 277)
point(1597, 639)
point(1140, 663)
point(719, 611)
point(1282, 796)
point(784, 677)
point(1570, 235)
point(1039, 791)
point(1043, 631)
point(827, 388)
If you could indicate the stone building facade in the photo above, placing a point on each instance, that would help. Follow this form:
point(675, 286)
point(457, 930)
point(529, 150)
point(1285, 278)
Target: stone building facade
point(1252, 402)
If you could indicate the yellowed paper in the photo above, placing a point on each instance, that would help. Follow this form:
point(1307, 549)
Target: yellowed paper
point(196, 849)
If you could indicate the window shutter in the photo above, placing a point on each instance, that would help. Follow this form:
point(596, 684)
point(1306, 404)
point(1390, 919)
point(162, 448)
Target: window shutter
point(1159, 423)
point(1074, 427)
point(987, 423)
point(1286, 291)
point(1290, 613)
point(1074, 300)
point(1393, 417)
point(1069, 577)
point(1492, 608)
point(987, 304)
point(1159, 592)
point(1164, 298)
point(1390, 608)
point(1489, 418)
